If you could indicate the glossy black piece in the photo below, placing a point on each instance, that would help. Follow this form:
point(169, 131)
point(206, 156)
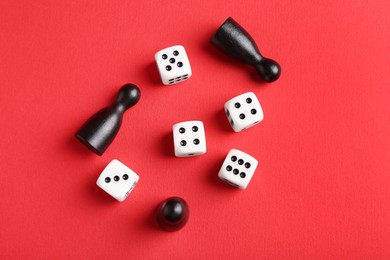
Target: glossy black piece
point(100, 130)
point(236, 42)
point(172, 214)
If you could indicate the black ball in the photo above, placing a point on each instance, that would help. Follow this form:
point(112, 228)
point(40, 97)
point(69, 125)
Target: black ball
point(268, 69)
point(128, 95)
point(172, 214)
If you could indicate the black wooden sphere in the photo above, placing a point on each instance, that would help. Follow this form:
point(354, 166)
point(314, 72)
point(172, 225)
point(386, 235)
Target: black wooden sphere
point(172, 214)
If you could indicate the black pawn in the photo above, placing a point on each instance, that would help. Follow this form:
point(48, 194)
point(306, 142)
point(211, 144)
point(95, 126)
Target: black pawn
point(172, 214)
point(100, 130)
point(236, 42)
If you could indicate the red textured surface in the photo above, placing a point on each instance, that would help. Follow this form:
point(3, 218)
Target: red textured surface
point(322, 188)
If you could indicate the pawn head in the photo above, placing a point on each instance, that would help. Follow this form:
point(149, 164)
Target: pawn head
point(172, 214)
point(128, 96)
point(269, 70)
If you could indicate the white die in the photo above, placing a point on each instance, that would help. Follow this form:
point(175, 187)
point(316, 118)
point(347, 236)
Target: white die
point(238, 169)
point(189, 138)
point(243, 111)
point(117, 180)
point(173, 65)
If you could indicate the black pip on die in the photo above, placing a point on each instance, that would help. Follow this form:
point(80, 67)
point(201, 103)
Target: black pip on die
point(173, 65)
point(117, 180)
point(189, 138)
point(243, 111)
point(238, 169)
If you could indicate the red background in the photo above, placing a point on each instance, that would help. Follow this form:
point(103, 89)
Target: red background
point(322, 188)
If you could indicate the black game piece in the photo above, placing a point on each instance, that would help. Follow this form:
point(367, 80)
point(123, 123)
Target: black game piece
point(172, 214)
point(236, 42)
point(100, 130)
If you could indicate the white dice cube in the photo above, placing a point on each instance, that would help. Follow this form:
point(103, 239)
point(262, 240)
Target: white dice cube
point(173, 65)
point(238, 169)
point(243, 111)
point(117, 180)
point(189, 138)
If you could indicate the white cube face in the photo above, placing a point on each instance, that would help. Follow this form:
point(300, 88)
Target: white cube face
point(173, 65)
point(189, 139)
point(117, 180)
point(238, 169)
point(243, 111)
